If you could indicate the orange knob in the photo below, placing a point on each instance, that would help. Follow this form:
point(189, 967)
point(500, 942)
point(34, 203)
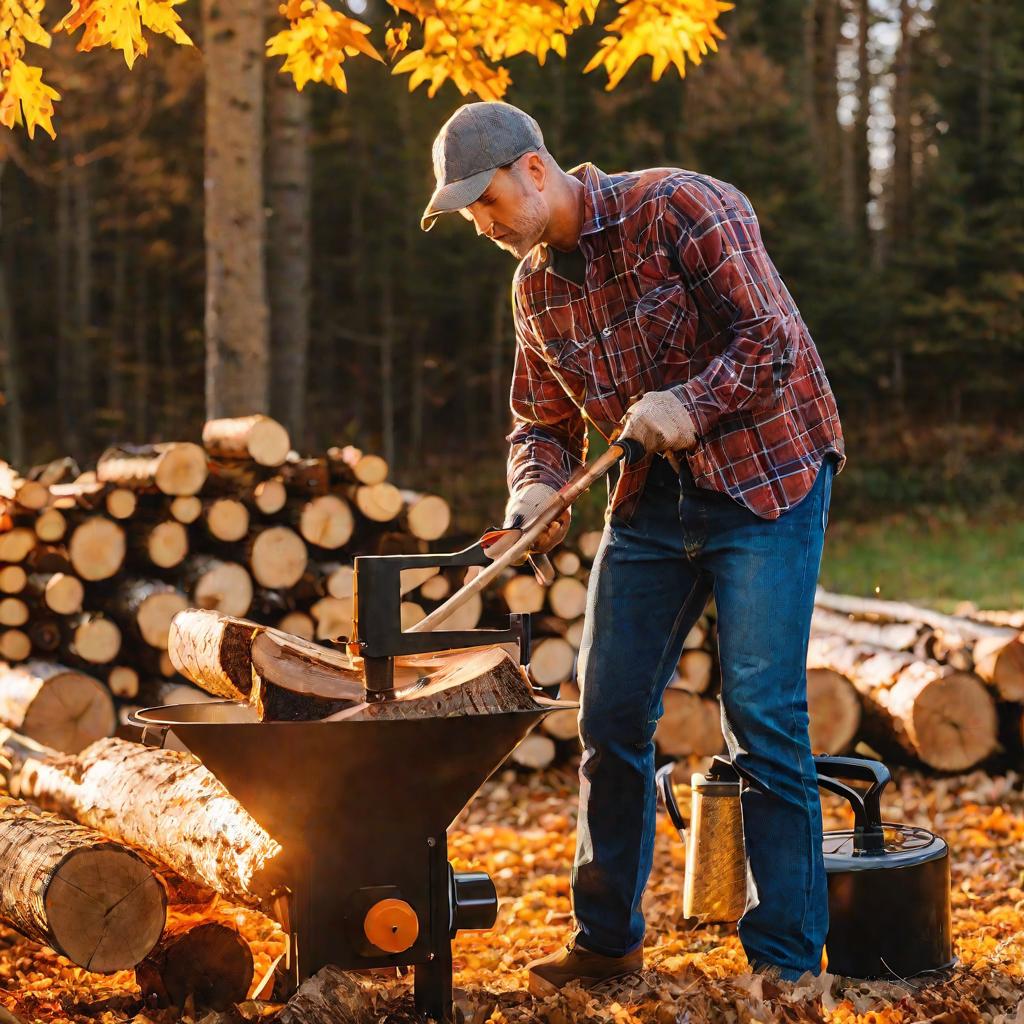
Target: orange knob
point(391, 925)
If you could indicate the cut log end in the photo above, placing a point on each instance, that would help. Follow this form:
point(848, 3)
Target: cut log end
point(326, 521)
point(278, 557)
point(97, 548)
point(105, 908)
point(954, 722)
point(834, 709)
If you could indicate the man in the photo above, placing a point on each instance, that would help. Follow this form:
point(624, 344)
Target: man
point(646, 299)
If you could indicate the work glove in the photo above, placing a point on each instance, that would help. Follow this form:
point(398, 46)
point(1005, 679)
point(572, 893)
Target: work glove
point(522, 508)
point(660, 422)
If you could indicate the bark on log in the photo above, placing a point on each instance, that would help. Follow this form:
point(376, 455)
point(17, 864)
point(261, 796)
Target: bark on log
point(214, 652)
point(834, 709)
point(54, 705)
point(45, 634)
point(175, 468)
point(66, 886)
point(258, 437)
point(331, 996)
point(96, 548)
point(305, 477)
point(896, 636)
point(147, 607)
point(208, 962)
point(944, 717)
point(162, 802)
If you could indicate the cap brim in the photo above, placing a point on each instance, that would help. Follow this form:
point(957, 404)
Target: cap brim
point(456, 195)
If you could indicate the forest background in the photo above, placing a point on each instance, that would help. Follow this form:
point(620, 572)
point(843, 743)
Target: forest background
point(880, 141)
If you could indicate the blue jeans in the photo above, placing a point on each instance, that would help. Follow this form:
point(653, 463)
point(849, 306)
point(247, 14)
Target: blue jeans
point(651, 580)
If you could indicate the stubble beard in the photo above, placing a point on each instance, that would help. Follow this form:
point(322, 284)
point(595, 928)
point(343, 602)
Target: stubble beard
point(528, 229)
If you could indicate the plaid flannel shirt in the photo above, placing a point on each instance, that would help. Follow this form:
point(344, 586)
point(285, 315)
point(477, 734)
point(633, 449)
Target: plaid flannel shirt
point(679, 295)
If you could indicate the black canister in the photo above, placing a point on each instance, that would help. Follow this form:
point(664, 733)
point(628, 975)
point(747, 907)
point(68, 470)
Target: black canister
point(888, 884)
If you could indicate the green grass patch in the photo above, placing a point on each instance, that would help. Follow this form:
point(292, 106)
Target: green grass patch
point(938, 559)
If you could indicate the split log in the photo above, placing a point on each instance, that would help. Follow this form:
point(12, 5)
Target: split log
point(326, 521)
point(50, 525)
point(691, 724)
point(16, 544)
point(694, 671)
point(269, 496)
point(147, 607)
point(945, 718)
point(214, 652)
point(164, 544)
point(277, 557)
point(94, 638)
point(352, 465)
point(121, 503)
point(380, 503)
point(258, 437)
point(96, 549)
point(174, 468)
point(14, 611)
point(566, 562)
point(522, 593)
point(225, 587)
point(162, 802)
point(227, 519)
point(66, 886)
point(834, 709)
point(26, 494)
point(12, 579)
point(206, 962)
point(186, 508)
point(426, 516)
point(54, 705)
point(57, 591)
point(15, 645)
point(551, 661)
point(567, 597)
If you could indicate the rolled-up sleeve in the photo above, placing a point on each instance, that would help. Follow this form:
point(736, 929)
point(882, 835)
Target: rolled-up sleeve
point(549, 436)
point(722, 259)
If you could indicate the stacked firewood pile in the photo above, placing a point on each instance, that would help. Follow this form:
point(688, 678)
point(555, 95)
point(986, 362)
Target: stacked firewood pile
point(94, 565)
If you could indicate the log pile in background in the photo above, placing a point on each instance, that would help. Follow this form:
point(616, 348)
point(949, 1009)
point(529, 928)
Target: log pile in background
point(94, 565)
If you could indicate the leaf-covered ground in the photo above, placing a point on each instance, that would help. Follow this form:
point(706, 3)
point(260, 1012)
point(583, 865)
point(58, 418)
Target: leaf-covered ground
point(521, 830)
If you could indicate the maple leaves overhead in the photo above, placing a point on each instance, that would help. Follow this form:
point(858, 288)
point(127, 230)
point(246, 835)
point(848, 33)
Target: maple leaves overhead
point(465, 42)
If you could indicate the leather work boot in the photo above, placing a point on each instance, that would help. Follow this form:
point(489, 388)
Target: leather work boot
point(576, 963)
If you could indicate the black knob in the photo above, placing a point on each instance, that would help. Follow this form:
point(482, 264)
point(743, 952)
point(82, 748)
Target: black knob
point(474, 900)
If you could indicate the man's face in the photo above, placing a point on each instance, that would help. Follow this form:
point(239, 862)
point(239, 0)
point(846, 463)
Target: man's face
point(512, 210)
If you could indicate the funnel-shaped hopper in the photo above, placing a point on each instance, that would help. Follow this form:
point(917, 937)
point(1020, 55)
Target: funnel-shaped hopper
point(355, 806)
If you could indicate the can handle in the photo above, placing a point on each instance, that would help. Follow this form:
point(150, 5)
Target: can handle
point(867, 810)
point(663, 778)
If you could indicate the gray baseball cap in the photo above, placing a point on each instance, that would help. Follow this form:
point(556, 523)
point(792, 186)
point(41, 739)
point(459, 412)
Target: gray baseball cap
point(471, 145)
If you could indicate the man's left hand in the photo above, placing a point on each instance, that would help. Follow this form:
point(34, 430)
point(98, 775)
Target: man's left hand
point(660, 422)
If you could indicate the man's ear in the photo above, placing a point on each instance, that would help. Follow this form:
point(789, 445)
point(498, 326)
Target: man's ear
point(536, 169)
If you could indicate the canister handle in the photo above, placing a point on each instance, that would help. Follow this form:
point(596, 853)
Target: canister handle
point(663, 778)
point(867, 810)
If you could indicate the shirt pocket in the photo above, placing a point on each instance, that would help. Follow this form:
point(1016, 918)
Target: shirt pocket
point(666, 320)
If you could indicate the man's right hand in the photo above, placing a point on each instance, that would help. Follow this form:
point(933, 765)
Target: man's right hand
point(523, 507)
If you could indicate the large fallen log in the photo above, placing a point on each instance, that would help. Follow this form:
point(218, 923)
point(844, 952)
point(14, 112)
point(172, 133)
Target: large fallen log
point(995, 652)
point(70, 888)
point(54, 705)
point(944, 717)
point(163, 802)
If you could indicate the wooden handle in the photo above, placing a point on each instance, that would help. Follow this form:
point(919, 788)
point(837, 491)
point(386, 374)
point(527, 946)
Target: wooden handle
point(562, 500)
